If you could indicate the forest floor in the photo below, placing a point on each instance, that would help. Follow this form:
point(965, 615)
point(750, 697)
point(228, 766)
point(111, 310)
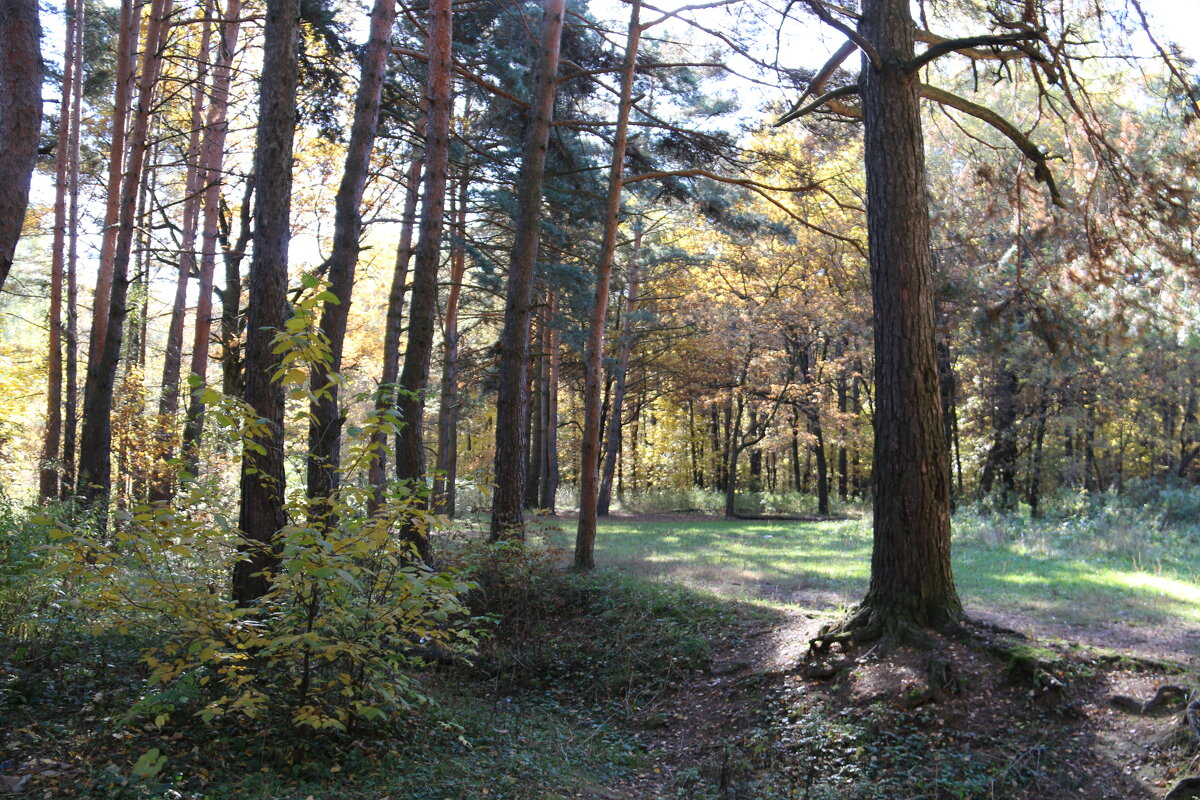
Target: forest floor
point(679, 670)
point(1029, 712)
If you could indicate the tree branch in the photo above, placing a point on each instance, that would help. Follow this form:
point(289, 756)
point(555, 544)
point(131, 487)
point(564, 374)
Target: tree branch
point(1041, 169)
point(829, 99)
point(968, 46)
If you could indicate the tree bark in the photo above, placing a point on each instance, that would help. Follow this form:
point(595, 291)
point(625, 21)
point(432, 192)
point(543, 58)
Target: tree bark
point(589, 484)
point(325, 427)
point(20, 118)
point(48, 483)
point(212, 157)
point(385, 396)
point(95, 470)
point(613, 441)
point(127, 39)
point(168, 400)
point(447, 453)
point(262, 482)
point(71, 334)
point(549, 486)
point(511, 401)
point(912, 584)
point(414, 377)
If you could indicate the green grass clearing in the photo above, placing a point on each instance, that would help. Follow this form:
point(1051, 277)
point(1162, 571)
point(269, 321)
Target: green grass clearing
point(826, 565)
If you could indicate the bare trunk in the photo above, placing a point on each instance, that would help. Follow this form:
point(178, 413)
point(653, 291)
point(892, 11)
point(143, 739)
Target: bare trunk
point(385, 397)
point(613, 443)
point(911, 578)
point(549, 486)
point(325, 427)
point(589, 483)
point(168, 401)
point(67, 478)
point(232, 320)
point(262, 481)
point(212, 158)
point(414, 377)
point(447, 452)
point(511, 402)
point(20, 118)
point(127, 39)
point(48, 484)
point(95, 475)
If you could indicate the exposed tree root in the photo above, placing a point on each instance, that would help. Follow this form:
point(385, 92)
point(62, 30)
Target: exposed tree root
point(871, 625)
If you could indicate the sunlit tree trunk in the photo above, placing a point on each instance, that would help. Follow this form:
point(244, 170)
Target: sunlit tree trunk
point(447, 424)
point(95, 471)
point(325, 427)
point(71, 334)
point(127, 39)
point(613, 441)
point(262, 481)
point(414, 377)
point(212, 157)
point(511, 400)
point(589, 479)
point(168, 399)
point(911, 579)
point(48, 484)
point(549, 485)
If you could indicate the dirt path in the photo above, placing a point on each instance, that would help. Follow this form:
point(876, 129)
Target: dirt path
point(751, 723)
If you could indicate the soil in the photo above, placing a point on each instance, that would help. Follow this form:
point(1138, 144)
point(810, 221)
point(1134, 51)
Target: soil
point(766, 721)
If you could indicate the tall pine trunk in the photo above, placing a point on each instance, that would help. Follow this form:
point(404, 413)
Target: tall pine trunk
point(325, 427)
point(71, 333)
point(414, 377)
point(20, 118)
point(589, 478)
point(48, 483)
point(385, 396)
point(212, 158)
point(912, 584)
point(511, 401)
point(613, 442)
point(262, 480)
point(168, 401)
point(549, 485)
point(95, 469)
point(447, 424)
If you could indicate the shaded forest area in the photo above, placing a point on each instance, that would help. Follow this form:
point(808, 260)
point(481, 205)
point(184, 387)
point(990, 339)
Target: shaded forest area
point(595, 399)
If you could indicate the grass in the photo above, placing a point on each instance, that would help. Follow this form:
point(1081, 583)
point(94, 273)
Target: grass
point(1022, 568)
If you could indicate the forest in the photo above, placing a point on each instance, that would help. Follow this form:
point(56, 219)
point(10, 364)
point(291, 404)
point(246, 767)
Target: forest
point(600, 399)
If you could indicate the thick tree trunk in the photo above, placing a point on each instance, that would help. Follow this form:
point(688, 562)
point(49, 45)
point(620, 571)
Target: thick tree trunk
point(444, 483)
point(48, 483)
point(212, 157)
point(511, 402)
point(385, 397)
point(414, 377)
point(733, 451)
point(325, 426)
point(613, 441)
point(1001, 464)
point(912, 584)
point(95, 470)
point(168, 402)
point(20, 118)
point(262, 482)
point(589, 483)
